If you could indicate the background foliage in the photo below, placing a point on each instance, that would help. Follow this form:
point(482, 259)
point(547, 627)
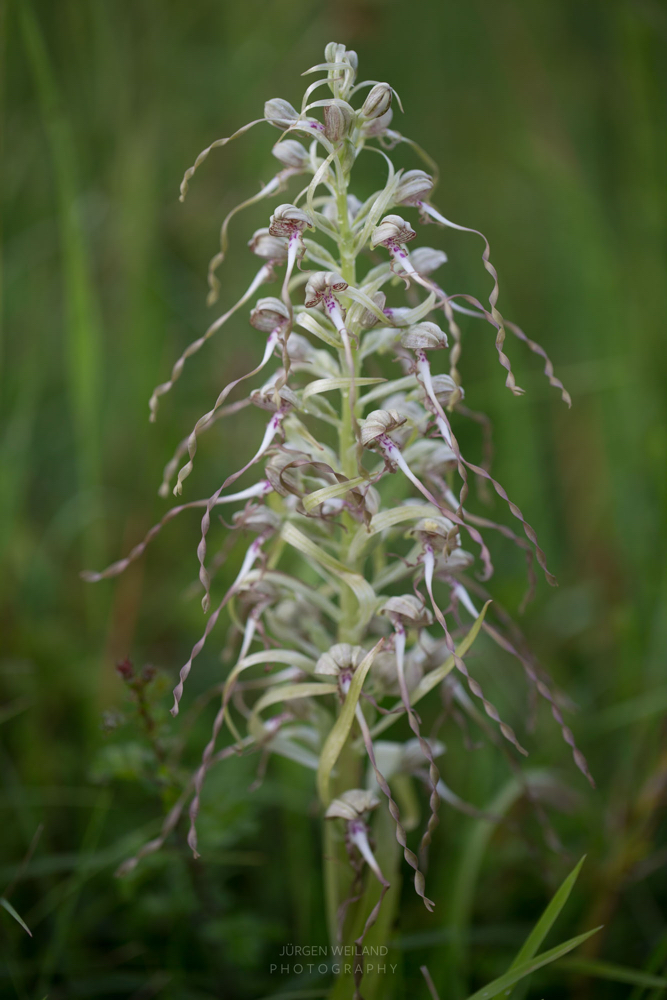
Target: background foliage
point(548, 123)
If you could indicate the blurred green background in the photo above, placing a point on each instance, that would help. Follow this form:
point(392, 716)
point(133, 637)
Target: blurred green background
point(548, 122)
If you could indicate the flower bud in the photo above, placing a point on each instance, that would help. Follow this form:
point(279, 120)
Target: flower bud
point(412, 755)
point(424, 337)
point(429, 653)
point(299, 348)
point(352, 804)
point(392, 231)
point(407, 408)
point(372, 500)
point(283, 476)
point(399, 315)
point(444, 387)
point(342, 68)
point(268, 314)
point(453, 562)
point(426, 259)
point(429, 456)
point(368, 319)
point(378, 423)
point(322, 283)
point(385, 673)
point(341, 657)
point(254, 592)
point(378, 126)
point(291, 154)
point(288, 219)
point(377, 102)
point(265, 399)
point(413, 187)
point(268, 247)
point(335, 52)
point(280, 113)
point(436, 531)
point(260, 519)
point(408, 610)
point(338, 120)
point(347, 154)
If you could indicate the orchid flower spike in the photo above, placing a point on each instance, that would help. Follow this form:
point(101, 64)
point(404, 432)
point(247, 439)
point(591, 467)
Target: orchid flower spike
point(354, 653)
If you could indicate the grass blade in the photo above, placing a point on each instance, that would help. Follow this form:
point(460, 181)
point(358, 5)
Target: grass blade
point(6, 905)
point(83, 328)
point(513, 976)
point(616, 973)
point(548, 919)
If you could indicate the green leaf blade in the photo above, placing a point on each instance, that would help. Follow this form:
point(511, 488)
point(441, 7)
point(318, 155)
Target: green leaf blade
point(513, 976)
point(6, 905)
point(548, 918)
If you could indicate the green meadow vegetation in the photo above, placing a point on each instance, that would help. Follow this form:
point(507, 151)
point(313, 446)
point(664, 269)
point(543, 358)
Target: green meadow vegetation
point(548, 123)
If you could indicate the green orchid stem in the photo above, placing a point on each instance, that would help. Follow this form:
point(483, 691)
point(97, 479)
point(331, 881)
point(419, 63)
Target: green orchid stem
point(337, 873)
point(376, 983)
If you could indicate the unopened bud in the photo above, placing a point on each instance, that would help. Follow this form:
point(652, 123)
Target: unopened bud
point(368, 319)
point(287, 220)
point(268, 314)
point(392, 231)
point(259, 518)
point(335, 52)
point(268, 247)
point(265, 397)
point(377, 102)
point(378, 423)
point(299, 348)
point(322, 283)
point(431, 529)
point(445, 387)
point(429, 456)
point(426, 259)
point(407, 609)
point(338, 120)
point(372, 500)
point(341, 657)
point(385, 672)
point(284, 477)
point(453, 562)
point(347, 153)
point(399, 315)
point(408, 408)
point(352, 804)
point(378, 126)
point(413, 187)
point(424, 337)
point(291, 154)
point(412, 755)
point(280, 113)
